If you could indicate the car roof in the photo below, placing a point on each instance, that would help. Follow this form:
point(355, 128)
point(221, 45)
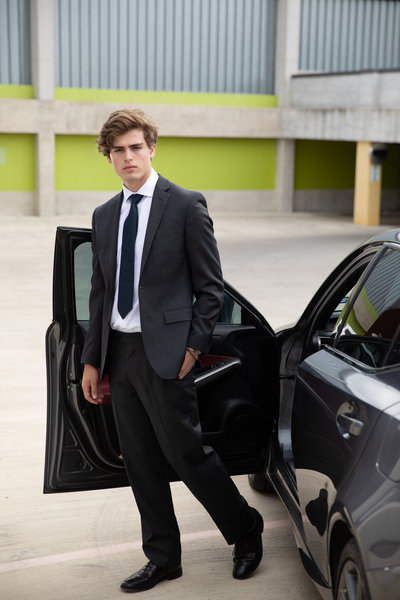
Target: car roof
point(392, 235)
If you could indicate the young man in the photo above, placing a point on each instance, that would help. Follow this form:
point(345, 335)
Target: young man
point(153, 252)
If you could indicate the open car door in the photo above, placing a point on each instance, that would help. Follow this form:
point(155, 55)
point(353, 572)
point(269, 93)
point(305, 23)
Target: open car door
point(237, 384)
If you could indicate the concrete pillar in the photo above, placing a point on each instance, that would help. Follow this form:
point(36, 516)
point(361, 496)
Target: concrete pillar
point(287, 47)
point(45, 174)
point(286, 64)
point(367, 188)
point(284, 177)
point(42, 48)
point(42, 52)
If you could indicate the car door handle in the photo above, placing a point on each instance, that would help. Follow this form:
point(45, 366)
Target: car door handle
point(350, 424)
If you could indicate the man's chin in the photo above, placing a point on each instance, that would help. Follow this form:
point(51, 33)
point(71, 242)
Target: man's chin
point(133, 184)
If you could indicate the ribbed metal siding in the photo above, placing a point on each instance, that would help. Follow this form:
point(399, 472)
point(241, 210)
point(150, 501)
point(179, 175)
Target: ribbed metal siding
point(349, 35)
point(15, 40)
point(172, 45)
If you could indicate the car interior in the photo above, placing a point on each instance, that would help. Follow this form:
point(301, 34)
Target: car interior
point(236, 381)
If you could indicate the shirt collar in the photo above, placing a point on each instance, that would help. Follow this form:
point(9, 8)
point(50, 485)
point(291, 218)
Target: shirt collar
point(147, 188)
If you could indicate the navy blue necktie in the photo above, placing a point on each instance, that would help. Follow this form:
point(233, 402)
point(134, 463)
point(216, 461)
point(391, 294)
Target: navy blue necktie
point(126, 270)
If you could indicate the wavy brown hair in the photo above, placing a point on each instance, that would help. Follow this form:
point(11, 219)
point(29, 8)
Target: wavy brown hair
point(122, 121)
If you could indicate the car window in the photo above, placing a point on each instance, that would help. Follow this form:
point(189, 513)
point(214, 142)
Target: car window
point(370, 330)
point(335, 317)
point(231, 313)
point(82, 279)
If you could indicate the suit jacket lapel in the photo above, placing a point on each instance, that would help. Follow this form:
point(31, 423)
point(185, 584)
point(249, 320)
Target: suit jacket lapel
point(113, 226)
point(159, 202)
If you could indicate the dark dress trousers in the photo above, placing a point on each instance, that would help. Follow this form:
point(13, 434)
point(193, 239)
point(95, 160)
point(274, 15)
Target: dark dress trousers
point(156, 414)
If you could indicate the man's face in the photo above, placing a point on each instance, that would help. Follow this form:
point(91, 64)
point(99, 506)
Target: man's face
point(131, 158)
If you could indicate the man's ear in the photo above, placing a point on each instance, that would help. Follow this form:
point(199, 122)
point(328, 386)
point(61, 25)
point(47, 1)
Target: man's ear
point(108, 157)
point(152, 152)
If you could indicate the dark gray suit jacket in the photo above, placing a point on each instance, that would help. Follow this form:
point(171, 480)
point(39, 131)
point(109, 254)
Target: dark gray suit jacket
point(180, 287)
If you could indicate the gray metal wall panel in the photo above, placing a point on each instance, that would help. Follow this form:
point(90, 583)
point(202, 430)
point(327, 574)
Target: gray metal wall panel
point(15, 41)
point(173, 45)
point(349, 35)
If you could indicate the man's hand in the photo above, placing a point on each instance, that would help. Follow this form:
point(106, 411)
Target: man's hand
point(90, 380)
point(188, 365)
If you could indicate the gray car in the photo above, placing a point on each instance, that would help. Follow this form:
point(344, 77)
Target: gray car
point(312, 410)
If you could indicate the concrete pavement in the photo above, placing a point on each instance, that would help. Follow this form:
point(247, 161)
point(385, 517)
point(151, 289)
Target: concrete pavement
point(80, 545)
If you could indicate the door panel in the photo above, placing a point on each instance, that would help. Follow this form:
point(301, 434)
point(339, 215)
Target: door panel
point(325, 418)
point(335, 409)
point(236, 382)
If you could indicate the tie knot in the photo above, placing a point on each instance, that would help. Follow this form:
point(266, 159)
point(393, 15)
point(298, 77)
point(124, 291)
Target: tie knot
point(135, 198)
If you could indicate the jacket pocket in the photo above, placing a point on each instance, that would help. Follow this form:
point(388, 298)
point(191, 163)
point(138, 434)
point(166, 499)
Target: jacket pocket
point(179, 314)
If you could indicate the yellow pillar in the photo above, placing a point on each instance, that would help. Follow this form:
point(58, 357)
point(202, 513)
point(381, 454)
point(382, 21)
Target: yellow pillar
point(367, 189)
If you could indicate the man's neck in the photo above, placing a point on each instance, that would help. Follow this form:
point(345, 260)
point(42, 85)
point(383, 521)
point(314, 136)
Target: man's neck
point(134, 187)
point(146, 188)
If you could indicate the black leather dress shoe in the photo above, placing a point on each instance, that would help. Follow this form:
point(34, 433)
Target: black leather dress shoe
point(248, 551)
point(149, 576)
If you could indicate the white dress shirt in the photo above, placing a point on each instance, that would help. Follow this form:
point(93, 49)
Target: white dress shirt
point(131, 323)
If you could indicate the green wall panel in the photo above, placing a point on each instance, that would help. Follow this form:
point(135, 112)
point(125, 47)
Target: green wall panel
point(147, 97)
point(17, 162)
point(217, 164)
point(79, 165)
point(321, 165)
point(17, 91)
point(197, 163)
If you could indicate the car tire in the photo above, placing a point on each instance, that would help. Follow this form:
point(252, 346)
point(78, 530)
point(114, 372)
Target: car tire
point(259, 482)
point(350, 581)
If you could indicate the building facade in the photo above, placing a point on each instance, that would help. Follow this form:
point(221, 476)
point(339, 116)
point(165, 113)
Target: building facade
point(265, 105)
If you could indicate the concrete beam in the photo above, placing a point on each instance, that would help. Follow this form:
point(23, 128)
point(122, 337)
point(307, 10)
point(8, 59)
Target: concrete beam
point(379, 125)
point(175, 121)
point(86, 118)
point(368, 90)
point(21, 116)
point(76, 118)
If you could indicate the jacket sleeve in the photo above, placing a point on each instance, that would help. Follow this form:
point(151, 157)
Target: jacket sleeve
point(92, 348)
point(207, 281)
